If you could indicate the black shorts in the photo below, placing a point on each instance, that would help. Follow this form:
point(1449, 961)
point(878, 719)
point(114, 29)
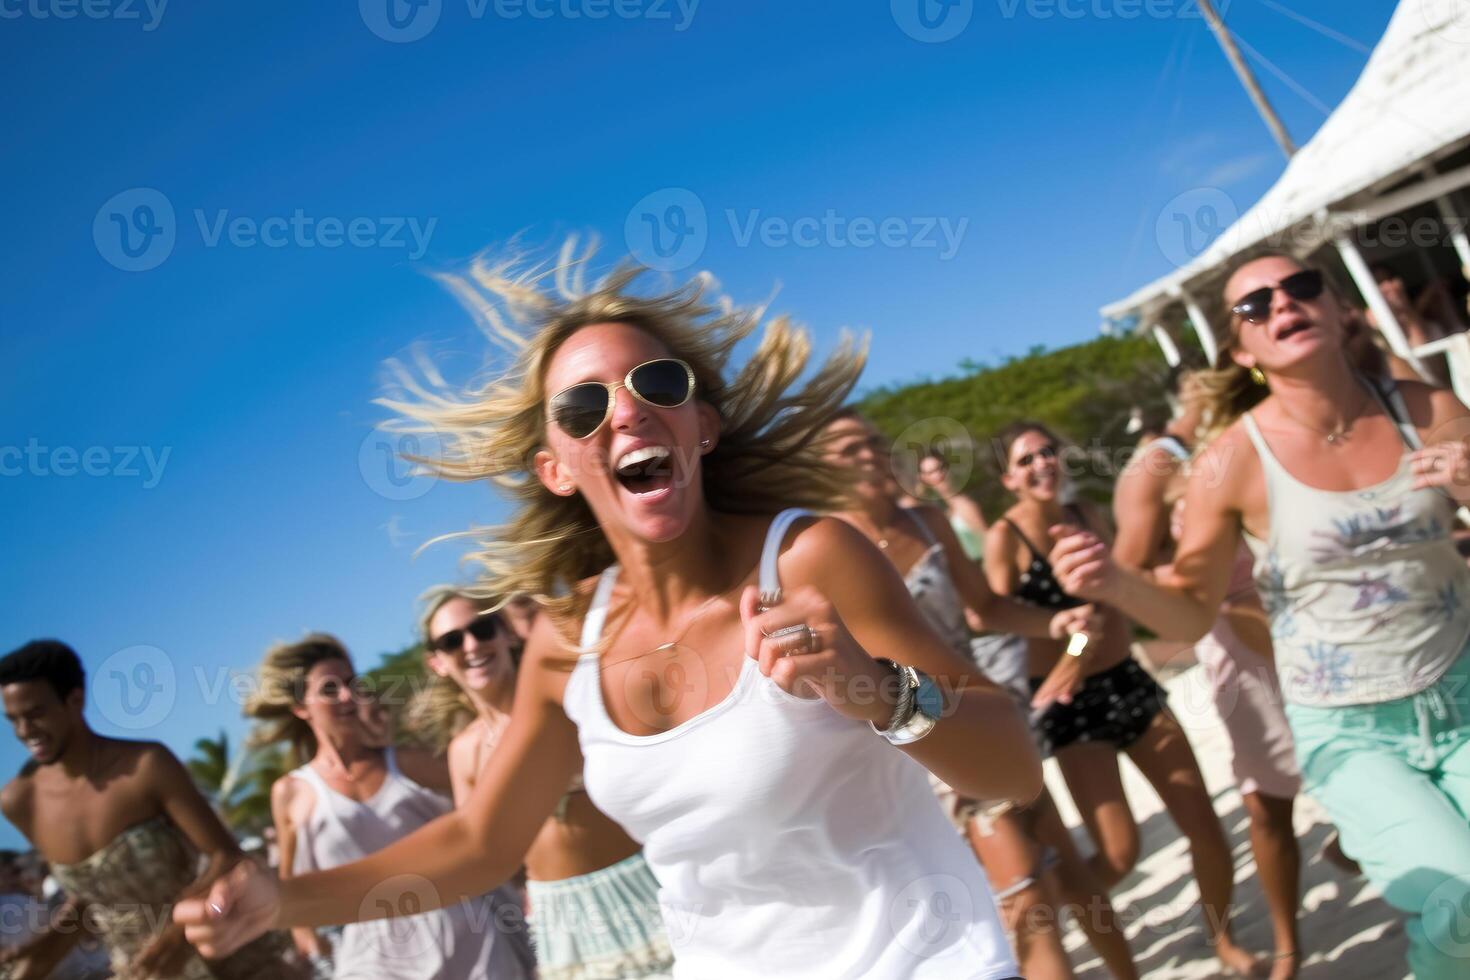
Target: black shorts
point(1114, 706)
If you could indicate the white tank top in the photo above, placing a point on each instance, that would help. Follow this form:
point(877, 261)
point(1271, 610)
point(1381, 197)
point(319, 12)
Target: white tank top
point(1368, 599)
point(471, 940)
point(788, 840)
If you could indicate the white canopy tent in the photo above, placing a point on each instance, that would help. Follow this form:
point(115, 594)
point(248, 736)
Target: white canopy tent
point(1393, 143)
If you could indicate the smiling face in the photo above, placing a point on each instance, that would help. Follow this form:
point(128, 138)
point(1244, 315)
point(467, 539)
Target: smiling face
point(932, 471)
point(1296, 330)
point(475, 665)
point(855, 445)
point(639, 471)
point(43, 722)
point(329, 701)
point(1032, 469)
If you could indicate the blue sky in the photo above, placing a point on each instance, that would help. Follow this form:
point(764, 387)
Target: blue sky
point(189, 464)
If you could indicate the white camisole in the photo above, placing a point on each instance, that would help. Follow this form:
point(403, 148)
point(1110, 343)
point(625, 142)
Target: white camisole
point(788, 840)
point(483, 939)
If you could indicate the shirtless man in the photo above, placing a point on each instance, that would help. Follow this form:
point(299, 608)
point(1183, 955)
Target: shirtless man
point(122, 826)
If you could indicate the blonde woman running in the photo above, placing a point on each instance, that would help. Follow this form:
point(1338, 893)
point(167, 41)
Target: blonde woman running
point(729, 699)
point(594, 903)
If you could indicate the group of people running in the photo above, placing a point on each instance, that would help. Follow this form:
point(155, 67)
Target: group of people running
point(722, 703)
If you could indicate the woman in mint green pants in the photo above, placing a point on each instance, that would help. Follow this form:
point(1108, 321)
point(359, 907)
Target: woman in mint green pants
point(1326, 474)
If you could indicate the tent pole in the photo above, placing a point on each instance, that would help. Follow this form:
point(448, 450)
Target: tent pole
point(1452, 220)
point(1248, 79)
point(1388, 324)
point(1167, 345)
point(1201, 326)
point(1456, 226)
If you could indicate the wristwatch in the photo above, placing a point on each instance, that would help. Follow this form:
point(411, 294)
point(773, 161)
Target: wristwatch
point(920, 704)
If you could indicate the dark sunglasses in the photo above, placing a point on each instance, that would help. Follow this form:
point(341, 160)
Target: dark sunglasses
point(483, 628)
point(1255, 306)
point(581, 409)
point(1045, 452)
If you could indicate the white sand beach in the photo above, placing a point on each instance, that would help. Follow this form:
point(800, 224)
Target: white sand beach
point(1347, 931)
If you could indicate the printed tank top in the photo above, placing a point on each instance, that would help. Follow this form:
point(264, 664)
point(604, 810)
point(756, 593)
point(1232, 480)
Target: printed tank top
point(1365, 592)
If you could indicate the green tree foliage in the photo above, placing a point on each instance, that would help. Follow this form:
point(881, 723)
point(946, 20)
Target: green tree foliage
point(237, 784)
point(1085, 392)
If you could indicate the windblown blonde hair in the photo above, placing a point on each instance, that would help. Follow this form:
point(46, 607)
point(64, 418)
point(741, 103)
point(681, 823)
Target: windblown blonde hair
point(1226, 388)
point(442, 709)
point(281, 685)
point(765, 459)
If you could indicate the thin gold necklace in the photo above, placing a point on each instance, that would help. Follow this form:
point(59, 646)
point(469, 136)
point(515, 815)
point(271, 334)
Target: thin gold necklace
point(877, 532)
point(694, 617)
point(1339, 431)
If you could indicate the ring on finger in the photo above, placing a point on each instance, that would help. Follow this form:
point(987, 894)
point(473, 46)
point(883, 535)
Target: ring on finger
point(798, 629)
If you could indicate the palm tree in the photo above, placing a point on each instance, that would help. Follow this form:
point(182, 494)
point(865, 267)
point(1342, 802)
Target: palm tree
point(239, 787)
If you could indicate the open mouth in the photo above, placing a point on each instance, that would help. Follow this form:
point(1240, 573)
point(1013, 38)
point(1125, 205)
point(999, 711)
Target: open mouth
point(1294, 329)
point(479, 663)
point(647, 470)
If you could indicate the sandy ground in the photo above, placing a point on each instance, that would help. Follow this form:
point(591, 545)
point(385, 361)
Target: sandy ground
point(1347, 931)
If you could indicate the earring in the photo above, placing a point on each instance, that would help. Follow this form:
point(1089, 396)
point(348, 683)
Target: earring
point(565, 487)
point(704, 444)
point(1258, 376)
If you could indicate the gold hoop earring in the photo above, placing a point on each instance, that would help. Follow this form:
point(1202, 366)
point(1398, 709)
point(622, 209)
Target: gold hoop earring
point(1258, 376)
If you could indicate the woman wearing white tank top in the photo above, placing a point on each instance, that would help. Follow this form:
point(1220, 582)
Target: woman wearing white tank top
point(351, 798)
point(730, 732)
point(1345, 489)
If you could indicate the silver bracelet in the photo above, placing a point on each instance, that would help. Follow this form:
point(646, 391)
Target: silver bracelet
point(903, 707)
point(919, 707)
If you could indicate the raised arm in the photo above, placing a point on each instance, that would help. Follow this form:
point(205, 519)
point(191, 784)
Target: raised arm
point(997, 613)
point(1139, 510)
point(847, 588)
point(1183, 606)
point(186, 807)
point(461, 855)
point(1002, 549)
point(1444, 427)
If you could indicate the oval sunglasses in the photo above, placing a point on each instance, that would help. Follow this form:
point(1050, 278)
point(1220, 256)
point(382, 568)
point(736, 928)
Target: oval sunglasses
point(579, 411)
